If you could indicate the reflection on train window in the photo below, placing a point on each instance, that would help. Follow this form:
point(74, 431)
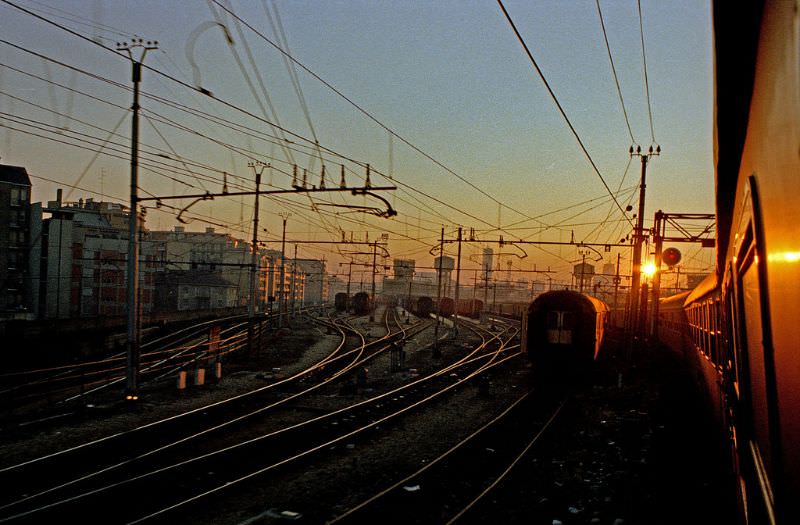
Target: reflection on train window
point(756, 373)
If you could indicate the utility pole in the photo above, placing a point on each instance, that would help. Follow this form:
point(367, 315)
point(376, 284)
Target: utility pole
point(132, 362)
point(349, 276)
point(639, 237)
point(458, 283)
point(485, 286)
point(408, 297)
point(281, 291)
point(254, 259)
point(616, 289)
point(656, 288)
point(436, 352)
point(294, 281)
point(372, 297)
point(583, 267)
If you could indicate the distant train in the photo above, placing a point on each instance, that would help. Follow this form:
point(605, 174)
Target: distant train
point(447, 306)
point(466, 307)
point(513, 310)
point(361, 303)
point(740, 329)
point(562, 332)
point(470, 307)
point(423, 307)
point(340, 301)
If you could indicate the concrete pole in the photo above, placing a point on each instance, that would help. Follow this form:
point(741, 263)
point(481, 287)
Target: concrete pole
point(251, 314)
point(374, 257)
point(132, 364)
point(132, 361)
point(282, 294)
point(633, 314)
point(436, 352)
point(293, 286)
point(458, 282)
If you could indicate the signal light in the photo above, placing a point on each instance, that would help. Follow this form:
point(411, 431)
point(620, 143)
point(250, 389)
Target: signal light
point(671, 256)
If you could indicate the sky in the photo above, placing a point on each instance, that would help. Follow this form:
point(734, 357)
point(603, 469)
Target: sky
point(439, 98)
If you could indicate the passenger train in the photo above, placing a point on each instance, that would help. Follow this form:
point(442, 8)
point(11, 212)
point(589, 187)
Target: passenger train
point(562, 333)
point(741, 326)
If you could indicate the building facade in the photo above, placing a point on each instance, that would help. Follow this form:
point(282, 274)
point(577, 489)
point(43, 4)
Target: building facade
point(17, 297)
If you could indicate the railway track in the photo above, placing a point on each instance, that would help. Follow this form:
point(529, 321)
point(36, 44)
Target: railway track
point(451, 484)
point(29, 395)
point(102, 490)
point(144, 444)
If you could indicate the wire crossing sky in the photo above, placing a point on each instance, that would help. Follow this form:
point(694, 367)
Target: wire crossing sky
point(438, 94)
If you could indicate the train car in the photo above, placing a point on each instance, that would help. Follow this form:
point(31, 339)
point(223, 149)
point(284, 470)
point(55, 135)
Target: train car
point(563, 332)
point(447, 306)
point(672, 323)
point(742, 325)
point(691, 324)
point(340, 301)
point(510, 310)
point(423, 307)
point(361, 303)
point(470, 307)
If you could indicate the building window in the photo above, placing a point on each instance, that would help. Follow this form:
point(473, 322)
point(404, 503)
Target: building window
point(18, 196)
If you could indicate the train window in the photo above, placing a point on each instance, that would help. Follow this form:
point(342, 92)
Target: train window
point(733, 357)
point(715, 332)
point(567, 320)
point(552, 320)
point(756, 373)
point(707, 336)
point(704, 328)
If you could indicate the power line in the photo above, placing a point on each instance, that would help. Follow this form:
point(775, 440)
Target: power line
point(644, 62)
point(364, 111)
point(561, 109)
point(614, 71)
point(233, 106)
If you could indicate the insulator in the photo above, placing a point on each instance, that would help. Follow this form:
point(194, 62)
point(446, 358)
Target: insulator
point(367, 183)
point(322, 178)
point(342, 183)
point(305, 177)
point(294, 175)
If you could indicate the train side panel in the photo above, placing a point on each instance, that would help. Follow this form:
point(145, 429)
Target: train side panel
point(757, 138)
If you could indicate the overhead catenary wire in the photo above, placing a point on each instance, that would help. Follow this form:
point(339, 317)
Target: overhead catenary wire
point(426, 196)
point(227, 104)
point(560, 108)
point(644, 65)
point(183, 161)
point(365, 112)
point(614, 71)
point(272, 114)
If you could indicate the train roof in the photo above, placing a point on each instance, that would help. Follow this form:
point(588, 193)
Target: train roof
point(568, 296)
point(706, 286)
point(736, 38)
point(673, 301)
